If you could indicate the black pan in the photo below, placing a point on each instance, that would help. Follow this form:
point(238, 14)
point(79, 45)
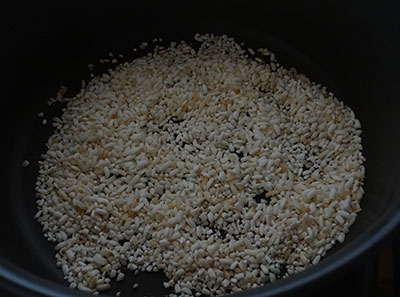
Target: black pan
point(352, 47)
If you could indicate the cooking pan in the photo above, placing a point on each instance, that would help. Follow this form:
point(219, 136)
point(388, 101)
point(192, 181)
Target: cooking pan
point(352, 47)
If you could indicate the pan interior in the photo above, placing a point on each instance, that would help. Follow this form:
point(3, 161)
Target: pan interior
point(45, 57)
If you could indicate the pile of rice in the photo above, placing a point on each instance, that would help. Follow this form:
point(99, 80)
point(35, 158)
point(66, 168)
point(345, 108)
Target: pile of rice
point(223, 170)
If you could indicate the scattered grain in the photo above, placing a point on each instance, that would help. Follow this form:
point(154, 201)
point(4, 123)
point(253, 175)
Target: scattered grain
point(157, 164)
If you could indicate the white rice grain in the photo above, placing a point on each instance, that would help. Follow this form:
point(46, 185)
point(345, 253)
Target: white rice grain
point(201, 163)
